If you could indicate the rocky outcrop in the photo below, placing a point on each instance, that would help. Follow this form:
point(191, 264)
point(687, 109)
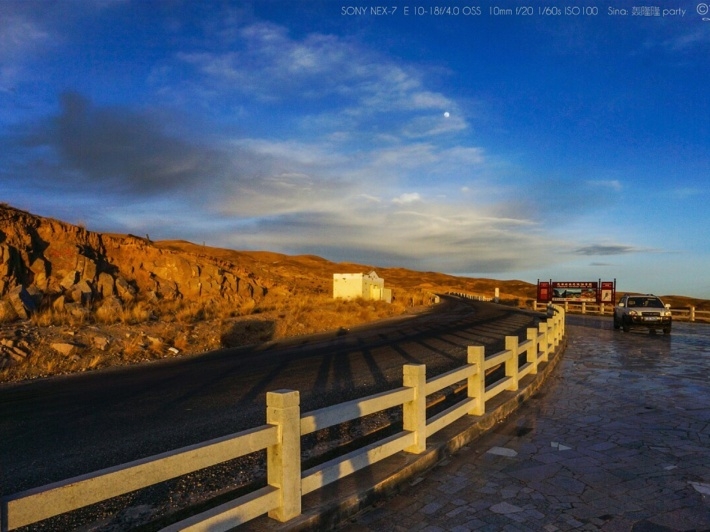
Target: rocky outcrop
point(13, 352)
point(46, 263)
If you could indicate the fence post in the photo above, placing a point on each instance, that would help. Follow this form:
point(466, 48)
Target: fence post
point(477, 381)
point(563, 324)
point(414, 412)
point(584, 307)
point(552, 333)
point(692, 313)
point(544, 350)
point(283, 460)
point(511, 365)
point(531, 354)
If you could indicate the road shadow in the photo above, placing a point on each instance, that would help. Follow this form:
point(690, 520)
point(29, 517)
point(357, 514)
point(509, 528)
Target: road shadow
point(248, 332)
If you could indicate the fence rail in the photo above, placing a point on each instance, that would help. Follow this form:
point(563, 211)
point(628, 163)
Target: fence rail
point(281, 438)
point(607, 309)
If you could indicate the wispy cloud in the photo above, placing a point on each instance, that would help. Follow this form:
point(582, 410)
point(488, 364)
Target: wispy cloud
point(20, 38)
point(611, 184)
point(682, 193)
point(407, 197)
point(688, 39)
point(348, 79)
point(601, 249)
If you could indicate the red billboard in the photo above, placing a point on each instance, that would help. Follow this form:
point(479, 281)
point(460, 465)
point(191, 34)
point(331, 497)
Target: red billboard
point(576, 291)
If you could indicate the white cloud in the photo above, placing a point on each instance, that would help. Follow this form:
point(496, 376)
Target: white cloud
point(20, 39)
point(688, 39)
point(407, 197)
point(351, 183)
point(682, 193)
point(352, 82)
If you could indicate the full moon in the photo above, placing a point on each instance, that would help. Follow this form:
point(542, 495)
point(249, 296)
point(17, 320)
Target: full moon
point(446, 114)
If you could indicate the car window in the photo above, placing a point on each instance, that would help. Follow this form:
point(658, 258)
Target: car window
point(650, 302)
point(654, 303)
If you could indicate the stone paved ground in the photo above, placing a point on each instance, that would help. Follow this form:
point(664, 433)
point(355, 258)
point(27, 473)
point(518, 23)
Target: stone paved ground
point(619, 441)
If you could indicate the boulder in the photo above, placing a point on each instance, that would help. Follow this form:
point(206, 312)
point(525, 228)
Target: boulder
point(124, 289)
point(69, 280)
point(61, 253)
point(22, 302)
point(77, 311)
point(65, 348)
point(110, 309)
point(87, 268)
point(16, 354)
point(11, 265)
point(165, 287)
point(105, 284)
point(82, 293)
point(100, 342)
point(40, 274)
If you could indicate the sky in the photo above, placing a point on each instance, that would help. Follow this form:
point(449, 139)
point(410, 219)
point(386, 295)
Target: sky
point(494, 139)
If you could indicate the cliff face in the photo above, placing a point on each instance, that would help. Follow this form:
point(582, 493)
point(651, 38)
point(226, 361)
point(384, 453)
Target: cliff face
point(47, 262)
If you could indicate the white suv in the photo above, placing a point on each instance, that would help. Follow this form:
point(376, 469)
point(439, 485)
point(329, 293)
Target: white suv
point(642, 311)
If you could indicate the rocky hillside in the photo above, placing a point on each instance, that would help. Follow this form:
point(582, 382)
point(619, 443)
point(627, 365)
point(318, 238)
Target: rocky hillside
point(45, 262)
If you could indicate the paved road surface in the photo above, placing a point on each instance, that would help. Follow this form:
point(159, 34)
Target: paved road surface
point(58, 428)
point(619, 441)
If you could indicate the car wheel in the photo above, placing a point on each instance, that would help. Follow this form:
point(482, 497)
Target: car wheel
point(616, 323)
point(625, 325)
point(666, 330)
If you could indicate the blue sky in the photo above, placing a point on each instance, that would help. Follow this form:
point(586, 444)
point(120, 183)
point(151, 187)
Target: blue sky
point(508, 146)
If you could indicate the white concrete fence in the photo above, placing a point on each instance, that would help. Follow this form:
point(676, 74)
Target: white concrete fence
point(602, 309)
point(474, 297)
point(281, 438)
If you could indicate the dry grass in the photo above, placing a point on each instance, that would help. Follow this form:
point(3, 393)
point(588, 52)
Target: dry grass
point(307, 314)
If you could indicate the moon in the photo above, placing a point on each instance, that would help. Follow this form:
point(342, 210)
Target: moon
point(446, 114)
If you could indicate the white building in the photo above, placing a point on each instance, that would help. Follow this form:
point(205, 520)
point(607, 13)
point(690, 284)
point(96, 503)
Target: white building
point(367, 286)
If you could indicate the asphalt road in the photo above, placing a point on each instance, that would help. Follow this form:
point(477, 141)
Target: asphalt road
point(57, 428)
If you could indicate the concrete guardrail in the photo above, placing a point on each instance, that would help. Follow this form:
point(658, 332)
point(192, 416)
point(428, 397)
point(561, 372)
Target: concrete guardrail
point(602, 309)
point(287, 484)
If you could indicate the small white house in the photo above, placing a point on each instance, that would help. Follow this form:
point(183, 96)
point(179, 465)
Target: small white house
point(367, 286)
